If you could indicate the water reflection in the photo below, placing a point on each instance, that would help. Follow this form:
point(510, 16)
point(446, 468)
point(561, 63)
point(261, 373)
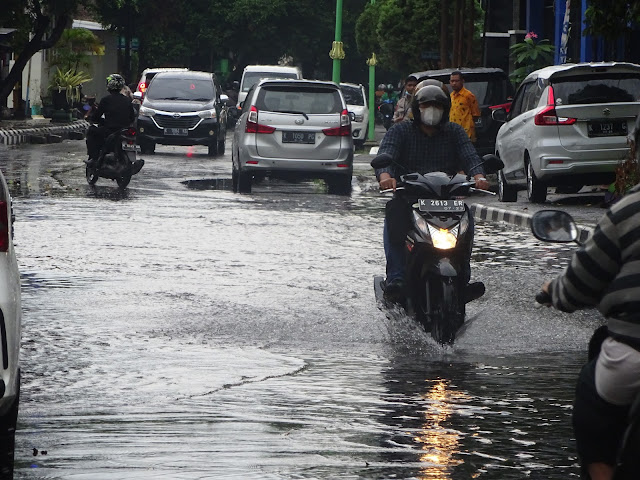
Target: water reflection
point(439, 442)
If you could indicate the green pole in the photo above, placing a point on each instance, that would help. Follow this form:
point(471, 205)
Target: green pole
point(371, 131)
point(336, 52)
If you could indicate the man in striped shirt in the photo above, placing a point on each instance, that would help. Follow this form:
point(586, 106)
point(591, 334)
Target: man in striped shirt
point(605, 273)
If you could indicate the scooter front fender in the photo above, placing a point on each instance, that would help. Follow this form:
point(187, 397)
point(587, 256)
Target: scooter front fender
point(441, 268)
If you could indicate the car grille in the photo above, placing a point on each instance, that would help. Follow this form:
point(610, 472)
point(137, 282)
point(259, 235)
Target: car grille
point(167, 121)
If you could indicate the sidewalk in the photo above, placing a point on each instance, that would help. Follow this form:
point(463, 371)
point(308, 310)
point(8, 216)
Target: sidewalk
point(40, 130)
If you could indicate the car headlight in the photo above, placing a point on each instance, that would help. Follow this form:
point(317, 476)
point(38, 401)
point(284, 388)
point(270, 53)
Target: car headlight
point(146, 112)
point(207, 114)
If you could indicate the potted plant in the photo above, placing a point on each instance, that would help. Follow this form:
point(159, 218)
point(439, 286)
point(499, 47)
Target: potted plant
point(65, 88)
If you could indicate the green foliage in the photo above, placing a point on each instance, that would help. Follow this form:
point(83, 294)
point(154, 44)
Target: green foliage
point(70, 82)
point(610, 18)
point(74, 48)
point(530, 55)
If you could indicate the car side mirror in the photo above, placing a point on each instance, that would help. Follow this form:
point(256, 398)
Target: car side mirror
point(499, 115)
point(352, 116)
point(224, 99)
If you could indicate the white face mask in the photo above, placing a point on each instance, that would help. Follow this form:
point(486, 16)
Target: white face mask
point(431, 115)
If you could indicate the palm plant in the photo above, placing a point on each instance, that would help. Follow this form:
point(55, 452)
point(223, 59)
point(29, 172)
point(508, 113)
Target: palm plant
point(70, 82)
point(530, 55)
point(75, 48)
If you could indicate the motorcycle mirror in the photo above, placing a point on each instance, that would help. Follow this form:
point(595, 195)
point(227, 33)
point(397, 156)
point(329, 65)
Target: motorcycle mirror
point(224, 99)
point(382, 161)
point(235, 85)
point(492, 163)
point(137, 95)
point(554, 226)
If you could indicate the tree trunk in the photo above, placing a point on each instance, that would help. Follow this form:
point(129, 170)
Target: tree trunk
point(455, 60)
point(35, 45)
point(444, 33)
point(471, 15)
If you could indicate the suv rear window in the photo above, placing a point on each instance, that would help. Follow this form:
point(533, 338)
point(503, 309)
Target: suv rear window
point(188, 89)
point(586, 89)
point(295, 99)
point(251, 78)
point(352, 95)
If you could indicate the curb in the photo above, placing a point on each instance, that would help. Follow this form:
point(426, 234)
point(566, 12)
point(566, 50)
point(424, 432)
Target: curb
point(482, 212)
point(16, 136)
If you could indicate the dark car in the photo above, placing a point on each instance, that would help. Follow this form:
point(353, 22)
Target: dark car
point(183, 108)
point(492, 89)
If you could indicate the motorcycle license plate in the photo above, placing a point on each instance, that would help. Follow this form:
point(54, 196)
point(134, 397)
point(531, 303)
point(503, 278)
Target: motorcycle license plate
point(182, 132)
point(127, 146)
point(432, 205)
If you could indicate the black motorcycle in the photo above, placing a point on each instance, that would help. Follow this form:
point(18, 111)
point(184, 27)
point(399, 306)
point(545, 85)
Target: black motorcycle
point(437, 247)
point(559, 226)
point(118, 163)
point(385, 110)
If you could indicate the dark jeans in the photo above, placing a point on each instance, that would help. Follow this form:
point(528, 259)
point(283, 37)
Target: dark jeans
point(99, 138)
point(397, 223)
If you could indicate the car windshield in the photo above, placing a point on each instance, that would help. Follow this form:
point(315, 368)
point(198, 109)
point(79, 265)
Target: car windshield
point(587, 89)
point(251, 78)
point(292, 99)
point(187, 89)
point(352, 95)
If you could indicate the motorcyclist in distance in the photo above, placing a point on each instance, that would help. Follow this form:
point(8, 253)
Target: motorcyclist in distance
point(605, 273)
point(428, 143)
point(118, 113)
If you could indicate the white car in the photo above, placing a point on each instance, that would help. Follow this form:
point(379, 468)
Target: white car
point(356, 99)
point(10, 331)
point(567, 127)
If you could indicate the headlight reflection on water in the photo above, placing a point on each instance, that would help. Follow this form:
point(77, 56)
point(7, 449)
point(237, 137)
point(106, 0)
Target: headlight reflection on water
point(439, 443)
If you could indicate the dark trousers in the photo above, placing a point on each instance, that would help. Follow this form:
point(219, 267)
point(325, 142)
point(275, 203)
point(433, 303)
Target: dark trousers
point(100, 138)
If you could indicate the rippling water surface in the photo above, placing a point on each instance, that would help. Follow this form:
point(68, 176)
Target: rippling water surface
point(194, 333)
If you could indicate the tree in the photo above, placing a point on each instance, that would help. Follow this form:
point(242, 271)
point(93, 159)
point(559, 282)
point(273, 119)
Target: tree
point(73, 49)
point(612, 19)
point(39, 24)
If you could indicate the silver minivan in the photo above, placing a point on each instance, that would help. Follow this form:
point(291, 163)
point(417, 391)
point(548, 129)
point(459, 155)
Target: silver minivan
point(293, 129)
point(567, 127)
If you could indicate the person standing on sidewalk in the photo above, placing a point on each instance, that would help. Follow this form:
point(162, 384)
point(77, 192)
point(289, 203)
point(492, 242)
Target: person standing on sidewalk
point(403, 107)
point(464, 105)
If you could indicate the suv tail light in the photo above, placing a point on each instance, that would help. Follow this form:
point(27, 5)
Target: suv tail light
point(344, 130)
point(4, 227)
point(252, 123)
point(142, 87)
point(548, 115)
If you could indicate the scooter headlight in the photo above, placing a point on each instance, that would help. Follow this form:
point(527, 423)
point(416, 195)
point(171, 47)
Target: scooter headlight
point(442, 238)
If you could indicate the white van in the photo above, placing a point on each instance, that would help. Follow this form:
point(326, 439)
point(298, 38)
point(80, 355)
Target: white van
point(253, 73)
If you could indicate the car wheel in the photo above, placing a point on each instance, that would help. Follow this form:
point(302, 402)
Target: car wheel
point(536, 190)
point(339, 185)
point(8, 423)
point(506, 192)
point(221, 146)
point(212, 148)
point(244, 182)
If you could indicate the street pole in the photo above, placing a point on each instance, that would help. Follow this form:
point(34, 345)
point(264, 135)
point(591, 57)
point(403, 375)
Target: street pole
point(337, 50)
point(371, 131)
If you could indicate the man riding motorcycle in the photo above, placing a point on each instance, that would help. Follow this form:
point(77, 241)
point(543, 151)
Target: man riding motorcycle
point(118, 114)
point(428, 143)
point(605, 273)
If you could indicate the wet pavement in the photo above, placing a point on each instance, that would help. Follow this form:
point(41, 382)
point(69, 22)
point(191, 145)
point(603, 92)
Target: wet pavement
point(178, 330)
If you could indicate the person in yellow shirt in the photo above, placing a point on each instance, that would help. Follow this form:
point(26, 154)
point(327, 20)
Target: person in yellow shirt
point(464, 106)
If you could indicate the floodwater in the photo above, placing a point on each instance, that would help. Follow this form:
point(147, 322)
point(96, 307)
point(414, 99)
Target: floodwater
point(178, 330)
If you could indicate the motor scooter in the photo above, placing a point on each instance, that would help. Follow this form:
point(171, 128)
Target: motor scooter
point(559, 226)
point(438, 245)
point(118, 163)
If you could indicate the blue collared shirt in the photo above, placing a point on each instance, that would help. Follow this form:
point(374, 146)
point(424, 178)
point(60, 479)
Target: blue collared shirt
point(449, 150)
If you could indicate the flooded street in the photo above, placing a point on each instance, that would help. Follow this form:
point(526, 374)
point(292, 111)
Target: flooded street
point(179, 330)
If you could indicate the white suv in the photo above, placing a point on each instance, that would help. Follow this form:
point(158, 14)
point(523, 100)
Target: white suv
point(567, 127)
point(10, 331)
point(356, 99)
